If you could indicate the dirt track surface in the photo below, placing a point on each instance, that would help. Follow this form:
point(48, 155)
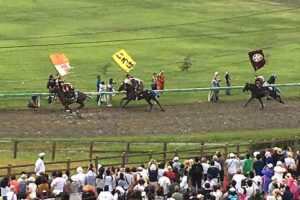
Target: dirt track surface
point(196, 118)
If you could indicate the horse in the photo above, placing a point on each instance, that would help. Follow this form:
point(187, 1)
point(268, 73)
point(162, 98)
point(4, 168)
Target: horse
point(260, 92)
point(131, 94)
point(80, 97)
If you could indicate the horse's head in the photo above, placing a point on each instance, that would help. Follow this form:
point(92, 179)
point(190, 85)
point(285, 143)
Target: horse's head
point(272, 79)
point(246, 87)
point(122, 87)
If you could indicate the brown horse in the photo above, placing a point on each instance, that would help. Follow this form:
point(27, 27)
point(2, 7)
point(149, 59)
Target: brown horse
point(80, 97)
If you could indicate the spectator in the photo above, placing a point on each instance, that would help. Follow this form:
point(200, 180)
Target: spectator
point(98, 82)
point(196, 173)
point(11, 195)
point(258, 165)
point(165, 183)
point(228, 79)
point(154, 82)
point(248, 164)
point(39, 164)
point(287, 195)
point(102, 97)
point(276, 195)
point(268, 172)
point(43, 189)
point(14, 182)
point(238, 178)
point(110, 88)
point(213, 172)
point(34, 102)
point(58, 184)
point(232, 165)
point(161, 81)
point(273, 185)
point(279, 170)
point(177, 195)
point(50, 85)
point(4, 184)
point(31, 190)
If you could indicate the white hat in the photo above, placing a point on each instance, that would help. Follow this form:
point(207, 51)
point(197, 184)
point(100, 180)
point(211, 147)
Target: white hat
point(64, 176)
point(79, 170)
point(255, 153)
point(279, 163)
point(31, 179)
point(75, 178)
point(140, 169)
point(175, 159)
point(231, 155)
point(270, 165)
point(42, 154)
point(216, 73)
point(274, 178)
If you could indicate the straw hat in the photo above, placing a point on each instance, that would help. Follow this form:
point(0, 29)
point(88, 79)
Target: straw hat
point(31, 179)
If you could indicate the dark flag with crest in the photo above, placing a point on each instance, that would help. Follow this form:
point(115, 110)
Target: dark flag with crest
point(257, 59)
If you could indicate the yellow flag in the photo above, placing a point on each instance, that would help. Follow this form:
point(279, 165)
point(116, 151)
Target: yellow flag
point(124, 60)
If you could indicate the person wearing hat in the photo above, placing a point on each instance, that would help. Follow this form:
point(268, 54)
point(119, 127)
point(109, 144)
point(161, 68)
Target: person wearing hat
point(267, 172)
point(32, 188)
point(232, 164)
point(161, 80)
point(290, 162)
point(176, 162)
point(279, 170)
point(39, 164)
point(11, 195)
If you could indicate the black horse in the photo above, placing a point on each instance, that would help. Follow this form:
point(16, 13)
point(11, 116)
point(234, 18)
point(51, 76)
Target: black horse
point(260, 92)
point(131, 94)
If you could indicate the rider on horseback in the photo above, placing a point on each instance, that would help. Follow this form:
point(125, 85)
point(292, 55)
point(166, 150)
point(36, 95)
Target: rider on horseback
point(67, 88)
point(137, 83)
point(260, 81)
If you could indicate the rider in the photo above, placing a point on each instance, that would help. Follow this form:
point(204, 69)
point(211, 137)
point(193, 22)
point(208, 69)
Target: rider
point(67, 88)
point(136, 82)
point(260, 81)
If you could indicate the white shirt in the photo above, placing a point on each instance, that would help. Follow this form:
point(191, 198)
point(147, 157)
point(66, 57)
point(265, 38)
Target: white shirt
point(11, 195)
point(105, 196)
point(232, 164)
point(290, 162)
point(184, 183)
point(81, 178)
point(32, 187)
point(58, 185)
point(165, 183)
point(217, 194)
point(238, 178)
point(278, 173)
point(39, 166)
point(205, 167)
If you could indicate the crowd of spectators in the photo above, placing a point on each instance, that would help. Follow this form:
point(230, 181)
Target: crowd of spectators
point(271, 174)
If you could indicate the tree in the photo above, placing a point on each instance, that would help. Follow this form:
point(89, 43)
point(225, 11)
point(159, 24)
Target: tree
point(186, 64)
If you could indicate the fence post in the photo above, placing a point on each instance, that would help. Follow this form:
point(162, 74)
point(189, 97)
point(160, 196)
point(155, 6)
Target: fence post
point(238, 149)
point(150, 155)
point(9, 171)
point(127, 151)
point(53, 150)
point(124, 155)
point(201, 150)
point(68, 164)
point(273, 144)
point(91, 149)
point(226, 150)
point(164, 151)
point(15, 148)
point(96, 164)
point(250, 146)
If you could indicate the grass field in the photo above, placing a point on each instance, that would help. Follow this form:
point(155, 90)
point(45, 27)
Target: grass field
point(157, 34)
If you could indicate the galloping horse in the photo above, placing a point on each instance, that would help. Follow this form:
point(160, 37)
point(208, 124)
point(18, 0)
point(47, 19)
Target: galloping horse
point(131, 94)
point(80, 97)
point(260, 92)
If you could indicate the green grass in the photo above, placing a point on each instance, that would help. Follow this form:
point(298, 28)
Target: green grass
point(217, 37)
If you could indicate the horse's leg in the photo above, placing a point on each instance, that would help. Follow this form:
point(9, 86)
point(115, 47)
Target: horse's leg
point(128, 100)
point(122, 101)
point(248, 101)
point(80, 106)
point(262, 105)
point(159, 105)
point(150, 104)
point(278, 98)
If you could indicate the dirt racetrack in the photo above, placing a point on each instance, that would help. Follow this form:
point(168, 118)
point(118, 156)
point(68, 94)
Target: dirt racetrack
point(196, 118)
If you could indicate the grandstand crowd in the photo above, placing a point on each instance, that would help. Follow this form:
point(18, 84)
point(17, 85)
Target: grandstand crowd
point(272, 174)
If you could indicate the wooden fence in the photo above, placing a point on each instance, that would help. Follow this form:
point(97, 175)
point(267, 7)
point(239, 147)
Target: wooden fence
point(144, 157)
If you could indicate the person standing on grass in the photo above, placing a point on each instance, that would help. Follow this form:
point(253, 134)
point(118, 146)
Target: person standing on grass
point(154, 82)
point(161, 81)
point(98, 82)
point(39, 164)
point(228, 79)
point(110, 88)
